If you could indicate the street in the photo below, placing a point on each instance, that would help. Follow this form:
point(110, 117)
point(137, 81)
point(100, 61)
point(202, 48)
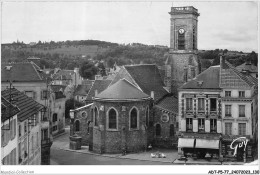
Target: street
point(65, 157)
point(62, 157)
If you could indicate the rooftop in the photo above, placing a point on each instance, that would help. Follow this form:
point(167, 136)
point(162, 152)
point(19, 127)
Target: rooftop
point(247, 67)
point(7, 110)
point(21, 72)
point(99, 85)
point(83, 89)
point(169, 103)
point(208, 79)
point(148, 78)
point(27, 105)
point(122, 90)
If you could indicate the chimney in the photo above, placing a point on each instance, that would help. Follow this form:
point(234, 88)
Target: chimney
point(152, 94)
point(96, 92)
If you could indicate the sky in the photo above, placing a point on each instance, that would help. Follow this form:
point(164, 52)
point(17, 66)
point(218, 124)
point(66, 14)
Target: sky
point(223, 25)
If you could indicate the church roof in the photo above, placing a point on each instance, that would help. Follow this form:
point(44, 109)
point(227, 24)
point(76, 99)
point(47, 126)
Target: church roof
point(148, 78)
point(122, 90)
point(208, 79)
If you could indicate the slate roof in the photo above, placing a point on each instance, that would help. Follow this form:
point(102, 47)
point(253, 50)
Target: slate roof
point(99, 85)
point(148, 78)
point(247, 66)
point(122, 90)
point(6, 107)
point(208, 79)
point(247, 79)
point(22, 72)
point(27, 105)
point(168, 103)
point(83, 89)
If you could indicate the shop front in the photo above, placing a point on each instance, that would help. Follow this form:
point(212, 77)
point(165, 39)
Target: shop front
point(236, 148)
point(199, 148)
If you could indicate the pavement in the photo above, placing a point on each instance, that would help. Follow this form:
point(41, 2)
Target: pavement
point(61, 142)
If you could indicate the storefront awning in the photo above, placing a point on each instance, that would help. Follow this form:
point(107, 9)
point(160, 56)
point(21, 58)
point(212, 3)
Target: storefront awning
point(185, 143)
point(210, 144)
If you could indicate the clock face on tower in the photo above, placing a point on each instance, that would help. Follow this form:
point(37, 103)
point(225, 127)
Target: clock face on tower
point(181, 31)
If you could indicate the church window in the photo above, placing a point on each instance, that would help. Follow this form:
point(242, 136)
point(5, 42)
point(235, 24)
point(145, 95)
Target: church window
point(158, 130)
point(112, 119)
point(133, 119)
point(77, 125)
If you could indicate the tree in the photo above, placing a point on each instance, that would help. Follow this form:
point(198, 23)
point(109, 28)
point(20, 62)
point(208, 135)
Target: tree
point(102, 69)
point(88, 70)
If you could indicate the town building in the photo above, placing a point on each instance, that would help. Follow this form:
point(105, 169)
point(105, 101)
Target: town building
point(200, 115)
point(9, 133)
point(216, 108)
point(161, 124)
point(163, 116)
point(57, 105)
point(239, 111)
point(66, 77)
point(28, 78)
point(29, 127)
point(182, 63)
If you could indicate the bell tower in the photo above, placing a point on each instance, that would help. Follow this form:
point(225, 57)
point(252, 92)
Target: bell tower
point(183, 58)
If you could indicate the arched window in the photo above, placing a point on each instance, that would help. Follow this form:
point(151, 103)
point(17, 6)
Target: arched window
point(133, 119)
point(181, 41)
point(158, 130)
point(95, 116)
point(171, 130)
point(88, 126)
point(77, 125)
point(112, 119)
point(147, 116)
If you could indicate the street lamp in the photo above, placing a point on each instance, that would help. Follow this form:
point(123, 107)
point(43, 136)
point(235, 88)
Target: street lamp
point(71, 122)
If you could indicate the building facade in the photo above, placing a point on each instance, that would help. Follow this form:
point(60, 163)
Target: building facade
point(239, 111)
point(28, 78)
point(200, 115)
point(9, 133)
point(217, 111)
point(58, 100)
point(28, 126)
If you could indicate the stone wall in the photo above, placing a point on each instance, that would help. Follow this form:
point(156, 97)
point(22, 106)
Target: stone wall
point(164, 139)
point(123, 138)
